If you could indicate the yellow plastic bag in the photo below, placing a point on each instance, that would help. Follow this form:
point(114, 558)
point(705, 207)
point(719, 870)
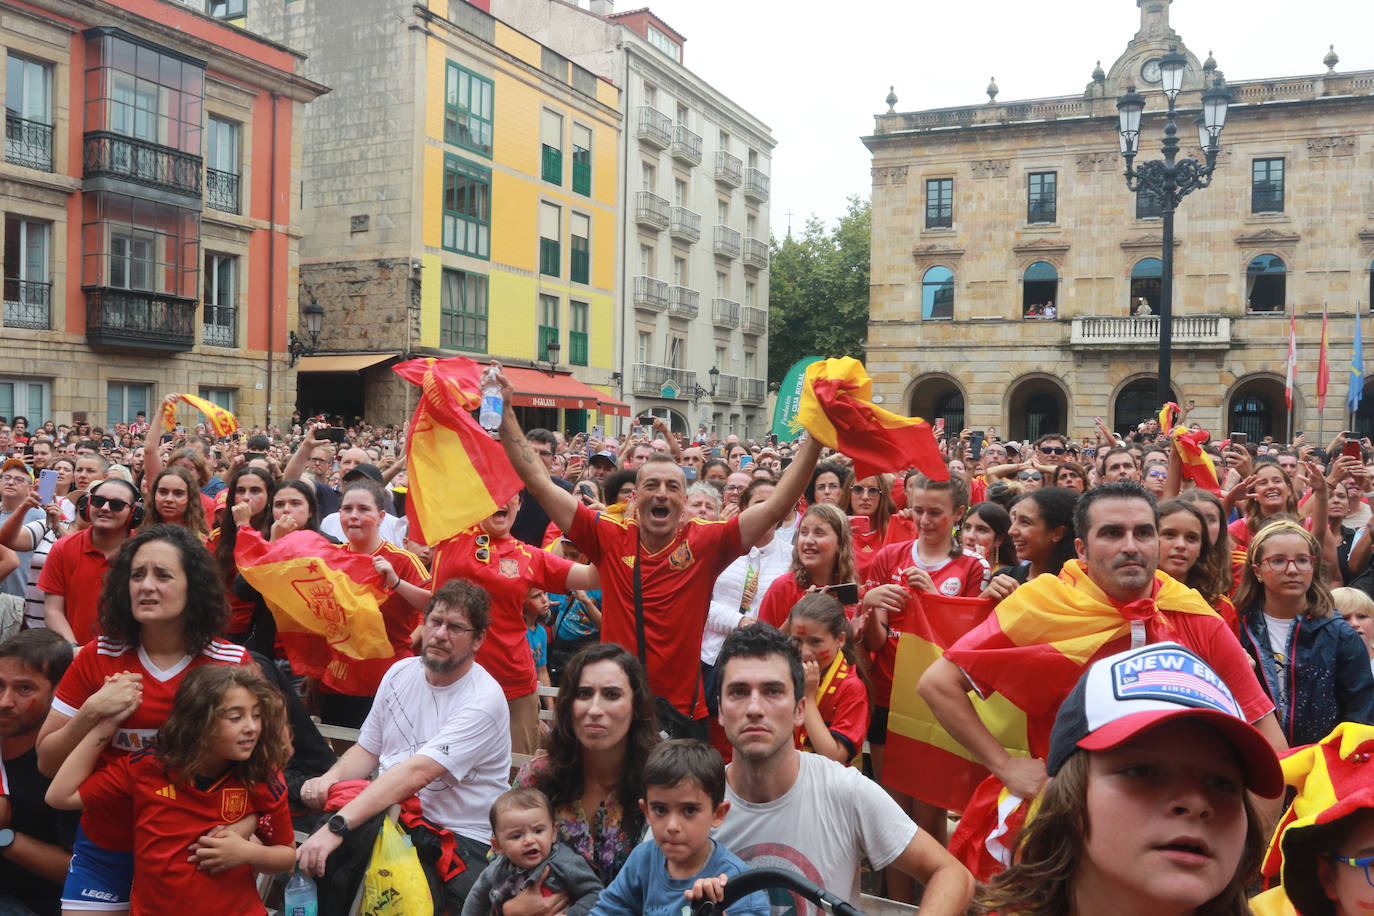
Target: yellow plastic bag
point(395, 883)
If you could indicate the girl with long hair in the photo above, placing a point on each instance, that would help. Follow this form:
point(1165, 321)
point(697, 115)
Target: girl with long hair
point(218, 757)
point(985, 530)
point(1042, 532)
point(175, 501)
point(1310, 662)
point(251, 487)
point(837, 709)
point(822, 556)
point(1187, 553)
point(593, 765)
point(870, 512)
point(1266, 493)
point(1214, 514)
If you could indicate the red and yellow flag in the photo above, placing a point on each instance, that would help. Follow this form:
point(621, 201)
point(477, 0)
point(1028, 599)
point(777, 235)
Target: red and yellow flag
point(924, 760)
point(837, 409)
point(220, 420)
point(1323, 367)
point(1168, 414)
point(458, 474)
point(326, 600)
point(1197, 465)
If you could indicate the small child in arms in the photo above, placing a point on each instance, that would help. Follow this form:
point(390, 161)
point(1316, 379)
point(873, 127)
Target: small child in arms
point(684, 800)
point(522, 832)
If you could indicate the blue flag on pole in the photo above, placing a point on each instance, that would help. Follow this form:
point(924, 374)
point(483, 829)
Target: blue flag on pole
point(1352, 397)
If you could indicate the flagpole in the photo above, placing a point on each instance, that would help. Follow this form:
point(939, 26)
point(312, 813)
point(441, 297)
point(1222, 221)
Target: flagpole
point(1321, 384)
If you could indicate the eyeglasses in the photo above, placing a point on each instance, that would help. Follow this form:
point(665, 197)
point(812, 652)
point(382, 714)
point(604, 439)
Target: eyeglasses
point(115, 505)
point(866, 491)
point(1056, 450)
point(456, 629)
point(1303, 562)
point(1159, 474)
point(15, 479)
point(1030, 475)
point(483, 550)
point(733, 488)
point(1362, 862)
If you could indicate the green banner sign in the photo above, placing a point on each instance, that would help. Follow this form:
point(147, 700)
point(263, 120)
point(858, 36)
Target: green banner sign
point(785, 425)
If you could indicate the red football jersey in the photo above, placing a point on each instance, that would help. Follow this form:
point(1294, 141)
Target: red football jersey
point(361, 677)
point(677, 582)
point(109, 827)
point(169, 815)
point(843, 707)
point(241, 610)
point(510, 569)
point(964, 576)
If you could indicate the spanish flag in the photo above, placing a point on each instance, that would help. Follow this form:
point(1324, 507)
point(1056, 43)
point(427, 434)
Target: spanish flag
point(1197, 464)
point(458, 474)
point(326, 600)
point(923, 760)
point(1032, 649)
point(837, 409)
point(220, 420)
point(1168, 414)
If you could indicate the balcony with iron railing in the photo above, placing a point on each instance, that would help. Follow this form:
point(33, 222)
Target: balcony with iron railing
point(684, 302)
point(727, 242)
point(727, 387)
point(651, 210)
point(133, 319)
point(725, 313)
point(28, 304)
point(684, 225)
point(111, 155)
point(219, 327)
point(729, 169)
point(755, 185)
point(222, 190)
point(752, 390)
point(654, 127)
point(652, 380)
point(651, 294)
point(754, 320)
point(1191, 332)
point(756, 253)
point(28, 143)
point(686, 145)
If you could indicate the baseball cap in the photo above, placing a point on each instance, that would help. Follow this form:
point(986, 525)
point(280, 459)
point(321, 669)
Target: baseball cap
point(1125, 694)
point(606, 455)
point(16, 464)
point(370, 471)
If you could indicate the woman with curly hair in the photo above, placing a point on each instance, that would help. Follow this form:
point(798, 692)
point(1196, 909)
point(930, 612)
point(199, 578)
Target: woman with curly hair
point(253, 487)
point(822, 556)
point(225, 738)
point(161, 611)
point(174, 501)
point(603, 731)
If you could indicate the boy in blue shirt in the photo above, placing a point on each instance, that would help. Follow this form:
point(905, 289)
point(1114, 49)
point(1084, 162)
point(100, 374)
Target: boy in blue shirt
point(684, 800)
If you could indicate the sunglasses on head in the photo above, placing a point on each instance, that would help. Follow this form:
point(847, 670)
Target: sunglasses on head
point(115, 504)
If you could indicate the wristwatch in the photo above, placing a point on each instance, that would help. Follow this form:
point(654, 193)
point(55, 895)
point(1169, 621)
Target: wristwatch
point(6, 838)
point(338, 825)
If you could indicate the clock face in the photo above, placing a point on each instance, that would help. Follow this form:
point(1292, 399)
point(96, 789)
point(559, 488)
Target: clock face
point(1150, 71)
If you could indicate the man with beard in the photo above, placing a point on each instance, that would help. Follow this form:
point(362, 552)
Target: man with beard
point(438, 730)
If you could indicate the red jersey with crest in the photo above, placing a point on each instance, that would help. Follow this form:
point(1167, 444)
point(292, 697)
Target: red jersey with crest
point(169, 815)
point(964, 576)
point(108, 827)
point(842, 702)
point(361, 677)
point(510, 569)
point(677, 582)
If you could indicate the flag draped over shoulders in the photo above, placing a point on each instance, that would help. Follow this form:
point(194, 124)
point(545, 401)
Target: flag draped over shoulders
point(837, 409)
point(458, 475)
point(326, 600)
point(221, 421)
point(922, 759)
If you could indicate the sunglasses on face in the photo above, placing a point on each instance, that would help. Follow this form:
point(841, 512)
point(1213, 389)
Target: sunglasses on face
point(1054, 450)
point(865, 491)
point(115, 505)
point(1030, 475)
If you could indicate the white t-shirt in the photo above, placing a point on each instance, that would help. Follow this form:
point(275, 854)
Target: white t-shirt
point(819, 829)
point(464, 726)
point(1279, 628)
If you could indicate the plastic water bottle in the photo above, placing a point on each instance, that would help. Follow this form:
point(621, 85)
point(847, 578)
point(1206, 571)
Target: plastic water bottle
point(299, 898)
point(492, 405)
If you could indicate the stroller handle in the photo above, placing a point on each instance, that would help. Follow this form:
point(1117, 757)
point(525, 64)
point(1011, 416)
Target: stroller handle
point(758, 879)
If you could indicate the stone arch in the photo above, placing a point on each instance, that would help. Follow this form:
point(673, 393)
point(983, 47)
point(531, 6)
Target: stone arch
point(938, 395)
point(1135, 400)
point(1035, 404)
point(1255, 405)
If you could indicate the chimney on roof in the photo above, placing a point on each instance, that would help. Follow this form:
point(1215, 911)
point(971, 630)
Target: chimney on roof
point(603, 7)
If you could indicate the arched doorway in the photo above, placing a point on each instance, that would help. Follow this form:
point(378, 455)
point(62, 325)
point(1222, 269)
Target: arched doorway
point(1036, 406)
point(1145, 284)
point(676, 421)
point(1136, 402)
point(938, 397)
point(1257, 408)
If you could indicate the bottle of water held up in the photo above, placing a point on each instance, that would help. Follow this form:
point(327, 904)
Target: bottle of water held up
point(299, 898)
point(492, 406)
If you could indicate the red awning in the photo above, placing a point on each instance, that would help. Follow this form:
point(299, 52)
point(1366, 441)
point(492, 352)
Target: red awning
point(538, 389)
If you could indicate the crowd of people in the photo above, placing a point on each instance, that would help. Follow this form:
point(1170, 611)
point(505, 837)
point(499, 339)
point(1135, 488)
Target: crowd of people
point(728, 626)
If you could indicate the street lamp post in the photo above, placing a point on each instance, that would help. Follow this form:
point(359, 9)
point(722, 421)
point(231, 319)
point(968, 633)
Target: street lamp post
point(1172, 179)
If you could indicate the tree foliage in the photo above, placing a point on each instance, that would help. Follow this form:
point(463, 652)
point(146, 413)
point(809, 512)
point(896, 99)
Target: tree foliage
point(818, 291)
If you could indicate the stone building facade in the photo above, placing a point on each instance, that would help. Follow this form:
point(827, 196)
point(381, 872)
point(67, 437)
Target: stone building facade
point(1010, 263)
point(150, 233)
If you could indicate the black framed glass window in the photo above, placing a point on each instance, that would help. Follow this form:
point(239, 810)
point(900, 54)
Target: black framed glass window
point(1042, 197)
point(1266, 186)
point(939, 203)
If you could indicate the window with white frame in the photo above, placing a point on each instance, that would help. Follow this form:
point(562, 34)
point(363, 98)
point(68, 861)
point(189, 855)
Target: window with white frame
point(220, 324)
point(125, 400)
point(26, 397)
point(28, 289)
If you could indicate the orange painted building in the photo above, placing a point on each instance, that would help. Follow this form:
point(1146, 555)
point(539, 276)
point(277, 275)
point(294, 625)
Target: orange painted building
point(150, 189)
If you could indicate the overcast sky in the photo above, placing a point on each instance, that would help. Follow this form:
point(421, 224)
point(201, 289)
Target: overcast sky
point(816, 72)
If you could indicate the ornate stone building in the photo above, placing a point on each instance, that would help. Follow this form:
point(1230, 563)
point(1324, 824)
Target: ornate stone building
point(1010, 263)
